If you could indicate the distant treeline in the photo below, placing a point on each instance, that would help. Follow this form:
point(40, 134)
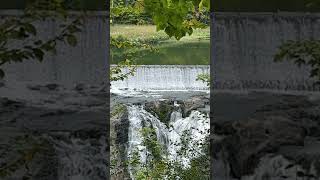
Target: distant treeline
point(72, 4)
point(266, 5)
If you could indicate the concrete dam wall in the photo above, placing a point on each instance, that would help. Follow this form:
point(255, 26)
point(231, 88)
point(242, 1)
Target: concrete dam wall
point(165, 77)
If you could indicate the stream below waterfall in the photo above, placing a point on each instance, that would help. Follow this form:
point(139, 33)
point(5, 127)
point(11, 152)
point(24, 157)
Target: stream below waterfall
point(169, 100)
point(195, 124)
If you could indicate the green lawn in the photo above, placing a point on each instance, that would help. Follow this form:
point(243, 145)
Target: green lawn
point(190, 50)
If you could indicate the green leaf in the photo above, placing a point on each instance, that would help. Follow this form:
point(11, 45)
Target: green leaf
point(38, 54)
point(1, 74)
point(72, 40)
point(204, 4)
point(39, 42)
point(74, 29)
point(31, 29)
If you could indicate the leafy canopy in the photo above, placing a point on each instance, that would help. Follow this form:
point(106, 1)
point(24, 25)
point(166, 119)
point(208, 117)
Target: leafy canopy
point(303, 52)
point(24, 32)
point(173, 16)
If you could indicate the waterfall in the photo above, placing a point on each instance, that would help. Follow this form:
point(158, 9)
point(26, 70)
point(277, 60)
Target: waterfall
point(164, 77)
point(80, 159)
point(245, 44)
point(85, 63)
point(139, 117)
point(197, 123)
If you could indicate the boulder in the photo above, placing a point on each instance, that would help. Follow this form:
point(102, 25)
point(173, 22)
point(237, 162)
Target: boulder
point(194, 103)
point(161, 109)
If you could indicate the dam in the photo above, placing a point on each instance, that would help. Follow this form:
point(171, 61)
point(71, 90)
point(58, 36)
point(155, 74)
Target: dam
point(244, 45)
point(165, 77)
point(241, 55)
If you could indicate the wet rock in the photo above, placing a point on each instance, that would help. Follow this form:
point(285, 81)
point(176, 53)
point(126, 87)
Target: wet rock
point(164, 108)
point(84, 101)
point(119, 136)
point(52, 86)
point(34, 87)
point(58, 112)
point(9, 109)
point(48, 87)
point(194, 103)
point(104, 88)
point(292, 162)
point(7, 103)
point(93, 134)
point(161, 109)
point(122, 128)
point(80, 87)
point(286, 123)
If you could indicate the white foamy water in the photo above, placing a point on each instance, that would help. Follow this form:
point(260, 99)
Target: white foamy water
point(81, 159)
point(137, 117)
point(164, 77)
point(197, 123)
point(246, 43)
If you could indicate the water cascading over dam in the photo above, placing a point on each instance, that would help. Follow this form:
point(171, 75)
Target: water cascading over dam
point(165, 77)
point(243, 49)
point(85, 63)
point(244, 45)
point(242, 55)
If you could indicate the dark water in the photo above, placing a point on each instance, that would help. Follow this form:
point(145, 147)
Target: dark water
point(178, 53)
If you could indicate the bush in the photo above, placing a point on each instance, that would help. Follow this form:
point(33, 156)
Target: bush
point(129, 15)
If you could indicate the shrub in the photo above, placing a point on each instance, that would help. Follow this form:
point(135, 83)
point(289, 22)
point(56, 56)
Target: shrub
point(129, 15)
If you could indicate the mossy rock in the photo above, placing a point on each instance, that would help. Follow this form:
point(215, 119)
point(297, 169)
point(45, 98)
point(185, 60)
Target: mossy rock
point(161, 109)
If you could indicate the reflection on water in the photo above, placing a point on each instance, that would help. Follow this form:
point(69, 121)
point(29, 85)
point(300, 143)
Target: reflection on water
point(186, 53)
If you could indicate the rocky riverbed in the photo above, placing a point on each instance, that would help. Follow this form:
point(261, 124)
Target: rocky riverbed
point(50, 132)
point(266, 136)
point(157, 108)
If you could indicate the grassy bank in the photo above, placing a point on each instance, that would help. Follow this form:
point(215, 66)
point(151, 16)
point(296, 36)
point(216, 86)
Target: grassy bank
point(190, 50)
point(145, 32)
